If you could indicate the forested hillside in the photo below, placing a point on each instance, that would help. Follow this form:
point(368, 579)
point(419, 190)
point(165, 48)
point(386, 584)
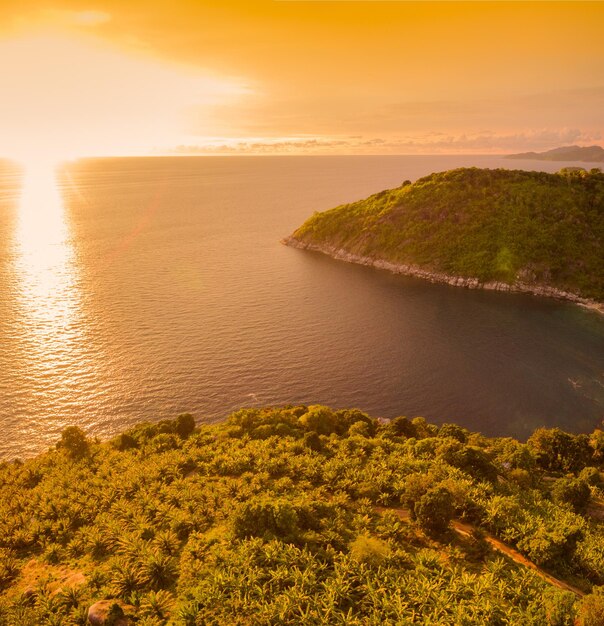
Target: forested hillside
point(491, 227)
point(304, 515)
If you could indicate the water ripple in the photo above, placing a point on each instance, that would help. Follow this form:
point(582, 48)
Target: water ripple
point(136, 289)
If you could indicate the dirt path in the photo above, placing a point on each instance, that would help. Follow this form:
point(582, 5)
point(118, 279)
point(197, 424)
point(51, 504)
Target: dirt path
point(466, 529)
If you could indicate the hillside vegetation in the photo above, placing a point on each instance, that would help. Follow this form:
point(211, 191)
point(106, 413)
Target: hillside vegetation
point(305, 515)
point(510, 226)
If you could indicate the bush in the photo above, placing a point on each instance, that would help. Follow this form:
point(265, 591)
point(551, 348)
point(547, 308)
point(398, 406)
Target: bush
point(8, 567)
point(367, 549)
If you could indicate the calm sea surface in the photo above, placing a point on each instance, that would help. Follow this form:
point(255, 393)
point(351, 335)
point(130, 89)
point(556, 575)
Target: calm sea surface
point(136, 289)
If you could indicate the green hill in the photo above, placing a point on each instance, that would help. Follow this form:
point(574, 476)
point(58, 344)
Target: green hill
point(499, 229)
point(304, 515)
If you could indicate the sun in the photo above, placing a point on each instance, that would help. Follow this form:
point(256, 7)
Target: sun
point(41, 161)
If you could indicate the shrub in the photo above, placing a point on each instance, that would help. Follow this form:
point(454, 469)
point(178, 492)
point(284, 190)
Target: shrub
point(367, 549)
point(8, 567)
point(521, 477)
point(124, 579)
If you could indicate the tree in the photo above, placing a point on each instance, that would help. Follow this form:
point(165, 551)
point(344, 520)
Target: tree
point(313, 441)
point(185, 424)
point(399, 427)
point(322, 420)
point(596, 442)
point(454, 431)
point(74, 442)
point(559, 451)
point(573, 491)
point(591, 476)
point(434, 511)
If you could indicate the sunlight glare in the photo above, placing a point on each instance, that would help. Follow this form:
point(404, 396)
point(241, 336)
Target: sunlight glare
point(82, 97)
point(52, 329)
point(44, 250)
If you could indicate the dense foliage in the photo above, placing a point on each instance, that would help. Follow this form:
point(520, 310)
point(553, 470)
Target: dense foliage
point(304, 515)
point(492, 225)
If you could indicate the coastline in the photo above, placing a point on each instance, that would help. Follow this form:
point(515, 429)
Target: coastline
point(546, 291)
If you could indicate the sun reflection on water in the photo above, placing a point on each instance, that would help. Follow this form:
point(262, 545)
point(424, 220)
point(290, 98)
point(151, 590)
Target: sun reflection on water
point(45, 254)
point(50, 329)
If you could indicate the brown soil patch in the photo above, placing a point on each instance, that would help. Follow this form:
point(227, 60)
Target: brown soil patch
point(56, 578)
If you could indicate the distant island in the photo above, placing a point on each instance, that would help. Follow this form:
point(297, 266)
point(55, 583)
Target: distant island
point(589, 154)
point(304, 515)
point(507, 230)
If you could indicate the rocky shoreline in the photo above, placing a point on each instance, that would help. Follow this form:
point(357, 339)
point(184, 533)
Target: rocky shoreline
point(440, 277)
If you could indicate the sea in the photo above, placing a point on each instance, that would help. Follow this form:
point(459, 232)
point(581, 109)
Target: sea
point(135, 289)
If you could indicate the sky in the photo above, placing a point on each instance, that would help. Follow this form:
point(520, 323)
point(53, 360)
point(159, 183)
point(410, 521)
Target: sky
point(115, 77)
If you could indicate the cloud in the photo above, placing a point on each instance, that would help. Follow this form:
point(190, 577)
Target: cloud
point(89, 18)
point(311, 115)
point(431, 143)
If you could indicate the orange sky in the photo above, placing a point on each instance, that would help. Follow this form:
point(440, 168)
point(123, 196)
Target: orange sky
point(134, 76)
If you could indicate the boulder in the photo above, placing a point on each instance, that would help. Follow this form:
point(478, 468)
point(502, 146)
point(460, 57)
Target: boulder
point(110, 613)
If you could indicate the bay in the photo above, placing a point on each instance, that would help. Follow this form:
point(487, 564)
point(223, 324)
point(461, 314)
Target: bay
point(139, 288)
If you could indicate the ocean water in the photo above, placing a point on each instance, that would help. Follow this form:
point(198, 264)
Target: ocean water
point(136, 289)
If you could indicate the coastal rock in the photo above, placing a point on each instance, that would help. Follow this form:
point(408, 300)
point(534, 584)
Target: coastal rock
point(440, 277)
point(110, 613)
